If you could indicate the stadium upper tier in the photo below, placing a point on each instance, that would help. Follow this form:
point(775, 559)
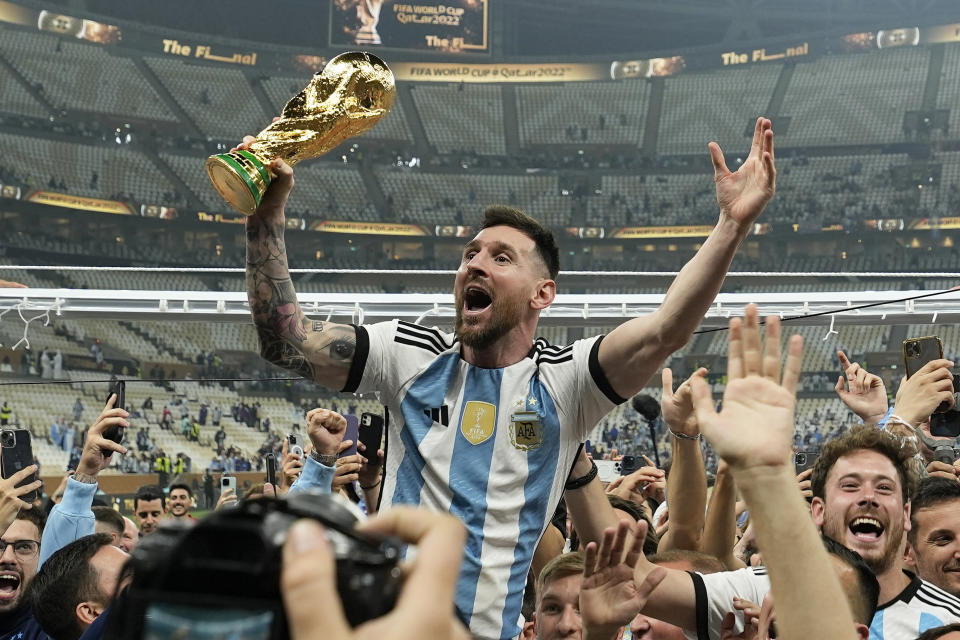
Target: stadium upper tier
point(636, 149)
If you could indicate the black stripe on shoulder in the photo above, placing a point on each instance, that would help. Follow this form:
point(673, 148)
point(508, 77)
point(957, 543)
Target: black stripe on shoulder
point(759, 571)
point(557, 351)
point(422, 345)
point(424, 337)
point(554, 360)
point(935, 594)
point(954, 610)
point(431, 331)
point(599, 377)
point(359, 362)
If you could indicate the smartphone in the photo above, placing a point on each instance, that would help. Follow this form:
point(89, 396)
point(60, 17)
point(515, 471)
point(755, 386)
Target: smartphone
point(371, 435)
point(804, 459)
point(228, 482)
point(353, 432)
point(629, 464)
point(919, 351)
point(115, 432)
point(295, 444)
point(271, 469)
point(15, 454)
point(606, 470)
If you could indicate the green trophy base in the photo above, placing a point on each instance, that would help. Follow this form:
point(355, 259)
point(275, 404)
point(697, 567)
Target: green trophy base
point(240, 178)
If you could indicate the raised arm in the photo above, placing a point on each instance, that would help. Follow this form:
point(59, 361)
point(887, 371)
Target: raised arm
point(753, 433)
point(320, 351)
point(687, 483)
point(634, 350)
point(720, 530)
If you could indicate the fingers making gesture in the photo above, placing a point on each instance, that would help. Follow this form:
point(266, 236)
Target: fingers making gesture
point(755, 426)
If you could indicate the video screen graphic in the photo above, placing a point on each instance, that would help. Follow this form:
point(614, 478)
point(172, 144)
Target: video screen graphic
point(453, 26)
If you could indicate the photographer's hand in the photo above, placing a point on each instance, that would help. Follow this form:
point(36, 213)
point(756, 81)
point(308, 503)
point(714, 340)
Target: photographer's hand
point(98, 449)
point(290, 468)
point(326, 429)
point(425, 606)
point(227, 498)
point(920, 394)
point(866, 396)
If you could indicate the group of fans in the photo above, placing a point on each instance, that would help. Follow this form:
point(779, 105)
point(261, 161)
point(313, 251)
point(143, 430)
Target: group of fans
point(484, 441)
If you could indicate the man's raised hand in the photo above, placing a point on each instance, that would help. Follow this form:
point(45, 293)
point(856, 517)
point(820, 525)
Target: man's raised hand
point(755, 427)
point(866, 395)
point(98, 449)
point(10, 501)
point(743, 194)
point(677, 406)
point(326, 429)
point(609, 595)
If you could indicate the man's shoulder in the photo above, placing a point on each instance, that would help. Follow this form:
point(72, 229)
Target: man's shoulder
point(927, 596)
point(426, 341)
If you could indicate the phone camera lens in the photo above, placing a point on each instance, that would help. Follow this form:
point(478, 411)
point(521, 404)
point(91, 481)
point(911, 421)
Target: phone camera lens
point(913, 348)
point(801, 458)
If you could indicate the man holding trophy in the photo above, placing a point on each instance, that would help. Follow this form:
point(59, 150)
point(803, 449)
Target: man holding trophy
point(517, 408)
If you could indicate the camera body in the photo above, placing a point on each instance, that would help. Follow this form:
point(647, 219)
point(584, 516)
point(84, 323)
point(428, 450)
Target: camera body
point(946, 424)
point(221, 577)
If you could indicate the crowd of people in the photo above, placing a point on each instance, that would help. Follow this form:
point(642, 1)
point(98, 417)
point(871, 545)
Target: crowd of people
point(484, 468)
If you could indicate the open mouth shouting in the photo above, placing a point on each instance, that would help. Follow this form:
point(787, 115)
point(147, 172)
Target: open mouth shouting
point(476, 300)
point(10, 582)
point(866, 529)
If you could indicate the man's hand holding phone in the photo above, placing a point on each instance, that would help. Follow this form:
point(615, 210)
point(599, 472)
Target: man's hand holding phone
point(924, 391)
point(97, 449)
point(10, 500)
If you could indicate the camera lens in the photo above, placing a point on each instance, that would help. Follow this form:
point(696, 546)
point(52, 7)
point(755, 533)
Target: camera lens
point(801, 458)
point(913, 348)
point(8, 439)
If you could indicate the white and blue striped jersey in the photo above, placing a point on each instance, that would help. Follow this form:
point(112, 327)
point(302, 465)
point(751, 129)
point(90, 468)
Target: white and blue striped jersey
point(920, 606)
point(493, 447)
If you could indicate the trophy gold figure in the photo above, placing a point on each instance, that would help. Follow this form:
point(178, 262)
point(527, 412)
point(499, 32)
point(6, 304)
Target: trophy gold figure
point(348, 97)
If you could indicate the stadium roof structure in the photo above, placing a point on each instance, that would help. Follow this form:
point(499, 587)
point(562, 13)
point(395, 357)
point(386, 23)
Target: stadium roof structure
point(568, 310)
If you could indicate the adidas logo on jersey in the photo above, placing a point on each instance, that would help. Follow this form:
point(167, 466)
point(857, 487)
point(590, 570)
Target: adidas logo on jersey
point(439, 414)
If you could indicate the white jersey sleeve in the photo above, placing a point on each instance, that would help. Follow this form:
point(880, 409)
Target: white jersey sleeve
point(715, 593)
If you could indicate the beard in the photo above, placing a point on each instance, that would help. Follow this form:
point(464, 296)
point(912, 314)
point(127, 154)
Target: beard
point(478, 333)
point(879, 559)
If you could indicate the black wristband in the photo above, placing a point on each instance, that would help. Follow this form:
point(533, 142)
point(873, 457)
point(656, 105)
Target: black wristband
point(582, 481)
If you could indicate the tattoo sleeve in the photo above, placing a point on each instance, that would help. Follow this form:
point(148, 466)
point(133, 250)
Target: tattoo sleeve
point(320, 351)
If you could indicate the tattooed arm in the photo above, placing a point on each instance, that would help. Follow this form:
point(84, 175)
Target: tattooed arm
point(320, 351)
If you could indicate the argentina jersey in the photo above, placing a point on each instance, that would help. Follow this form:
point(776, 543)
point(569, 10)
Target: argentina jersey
point(919, 607)
point(493, 447)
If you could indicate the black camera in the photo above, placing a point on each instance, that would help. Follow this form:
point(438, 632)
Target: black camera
point(946, 424)
point(8, 438)
point(912, 348)
point(221, 577)
point(805, 459)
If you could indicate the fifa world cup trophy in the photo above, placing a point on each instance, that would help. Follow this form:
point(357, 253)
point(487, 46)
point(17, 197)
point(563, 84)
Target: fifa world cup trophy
point(347, 98)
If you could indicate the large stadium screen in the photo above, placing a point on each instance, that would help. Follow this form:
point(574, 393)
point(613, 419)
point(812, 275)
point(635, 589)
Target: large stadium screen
point(453, 26)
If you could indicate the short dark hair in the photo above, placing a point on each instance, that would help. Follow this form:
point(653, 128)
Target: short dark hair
point(110, 517)
point(150, 492)
point(65, 580)
point(502, 215)
point(181, 485)
point(931, 492)
point(701, 562)
point(652, 540)
point(863, 599)
point(939, 632)
point(864, 438)
point(34, 515)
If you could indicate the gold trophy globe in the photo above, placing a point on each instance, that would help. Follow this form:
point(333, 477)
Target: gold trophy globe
point(347, 98)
